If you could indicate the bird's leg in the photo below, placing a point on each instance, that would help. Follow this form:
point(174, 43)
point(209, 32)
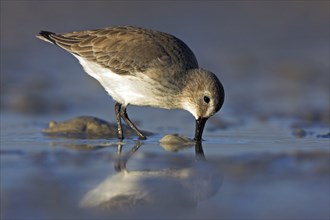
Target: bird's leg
point(124, 115)
point(118, 119)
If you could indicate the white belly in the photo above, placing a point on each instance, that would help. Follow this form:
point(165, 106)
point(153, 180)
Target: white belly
point(125, 89)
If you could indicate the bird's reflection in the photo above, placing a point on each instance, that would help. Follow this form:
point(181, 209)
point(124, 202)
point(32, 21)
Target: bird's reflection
point(161, 189)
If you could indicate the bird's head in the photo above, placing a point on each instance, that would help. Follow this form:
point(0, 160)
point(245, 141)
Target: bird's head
point(203, 96)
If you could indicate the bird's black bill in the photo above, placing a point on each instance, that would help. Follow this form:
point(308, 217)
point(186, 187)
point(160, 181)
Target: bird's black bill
point(200, 123)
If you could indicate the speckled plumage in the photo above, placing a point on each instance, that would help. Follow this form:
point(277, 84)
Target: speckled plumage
point(128, 49)
point(144, 67)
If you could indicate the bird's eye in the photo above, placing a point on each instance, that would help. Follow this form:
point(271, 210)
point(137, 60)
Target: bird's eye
point(206, 99)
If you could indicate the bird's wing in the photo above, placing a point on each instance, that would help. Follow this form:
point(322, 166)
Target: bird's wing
point(126, 49)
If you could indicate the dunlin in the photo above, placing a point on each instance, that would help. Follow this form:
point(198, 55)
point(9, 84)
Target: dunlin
point(144, 67)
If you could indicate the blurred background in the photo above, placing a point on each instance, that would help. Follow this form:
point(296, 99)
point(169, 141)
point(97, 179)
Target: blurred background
point(272, 57)
point(270, 140)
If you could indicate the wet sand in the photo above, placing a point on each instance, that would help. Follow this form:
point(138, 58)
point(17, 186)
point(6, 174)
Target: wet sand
point(259, 170)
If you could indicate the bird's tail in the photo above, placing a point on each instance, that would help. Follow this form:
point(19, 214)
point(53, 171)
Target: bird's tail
point(64, 41)
point(46, 36)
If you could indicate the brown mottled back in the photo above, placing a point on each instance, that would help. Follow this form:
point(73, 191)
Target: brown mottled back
point(127, 49)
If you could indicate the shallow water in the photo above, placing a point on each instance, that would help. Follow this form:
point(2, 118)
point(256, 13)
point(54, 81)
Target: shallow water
point(254, 171)
point(267, 150)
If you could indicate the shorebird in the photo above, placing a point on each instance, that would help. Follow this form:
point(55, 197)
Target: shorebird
point(144, 67)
